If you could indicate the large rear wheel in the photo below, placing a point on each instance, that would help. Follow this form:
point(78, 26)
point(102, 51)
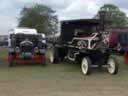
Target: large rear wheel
point(86, 66)
point(10, 60)
point(112, 66)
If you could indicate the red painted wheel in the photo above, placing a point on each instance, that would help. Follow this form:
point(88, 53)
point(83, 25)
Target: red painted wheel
point(42, 59)
point(10, 60)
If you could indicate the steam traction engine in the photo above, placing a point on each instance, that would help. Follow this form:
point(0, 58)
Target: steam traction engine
point(25, 46)
point(82, 41)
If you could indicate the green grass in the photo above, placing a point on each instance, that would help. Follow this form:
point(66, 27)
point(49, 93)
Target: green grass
point(3, 53)
point(59, 79)
point(65, 70)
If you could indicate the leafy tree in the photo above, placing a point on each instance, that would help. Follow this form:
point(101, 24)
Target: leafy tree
point(40, 17)
point(113, 16)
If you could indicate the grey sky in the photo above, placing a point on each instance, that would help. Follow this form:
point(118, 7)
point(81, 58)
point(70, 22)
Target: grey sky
point(65, 9)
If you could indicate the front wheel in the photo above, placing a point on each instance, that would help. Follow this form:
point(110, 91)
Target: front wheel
point(86, 66)
point(53, 56)
point(112, 66)
point(42, 60)
point(119, 47)
point(10, 60)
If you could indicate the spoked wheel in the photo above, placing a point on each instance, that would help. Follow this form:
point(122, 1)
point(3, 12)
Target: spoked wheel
point(53, 56)
point(52, 59)
point(119, 47)
point(86, 66)
point(112, 66)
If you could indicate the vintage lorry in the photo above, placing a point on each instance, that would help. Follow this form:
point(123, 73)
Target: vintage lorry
point(118, 40)
point(83, 41)
point(25, 46)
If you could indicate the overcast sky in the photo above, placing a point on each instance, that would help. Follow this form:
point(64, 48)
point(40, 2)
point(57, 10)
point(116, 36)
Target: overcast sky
point(65, 9)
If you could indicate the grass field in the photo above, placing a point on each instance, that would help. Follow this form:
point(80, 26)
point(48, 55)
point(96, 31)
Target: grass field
point(60, 80)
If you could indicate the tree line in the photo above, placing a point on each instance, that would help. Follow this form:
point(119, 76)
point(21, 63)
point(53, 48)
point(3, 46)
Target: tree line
point(44, 19)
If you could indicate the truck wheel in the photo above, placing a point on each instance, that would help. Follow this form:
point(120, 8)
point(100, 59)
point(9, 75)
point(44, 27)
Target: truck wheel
point(112, 66)
point(42, 60)
point(119, 47)
point(100, 67)
point(10, 60)
point(86, 66)
point(53, 56)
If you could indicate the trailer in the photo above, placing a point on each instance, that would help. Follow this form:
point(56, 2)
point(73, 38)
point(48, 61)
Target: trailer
point(83, 41)
point(118, 40)
point(25, 46)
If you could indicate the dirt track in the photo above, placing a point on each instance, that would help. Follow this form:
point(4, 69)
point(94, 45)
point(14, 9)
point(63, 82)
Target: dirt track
point(59, 88)
point(59, 80)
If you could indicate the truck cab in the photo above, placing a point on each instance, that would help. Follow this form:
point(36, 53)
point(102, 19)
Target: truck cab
point(25, 45)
